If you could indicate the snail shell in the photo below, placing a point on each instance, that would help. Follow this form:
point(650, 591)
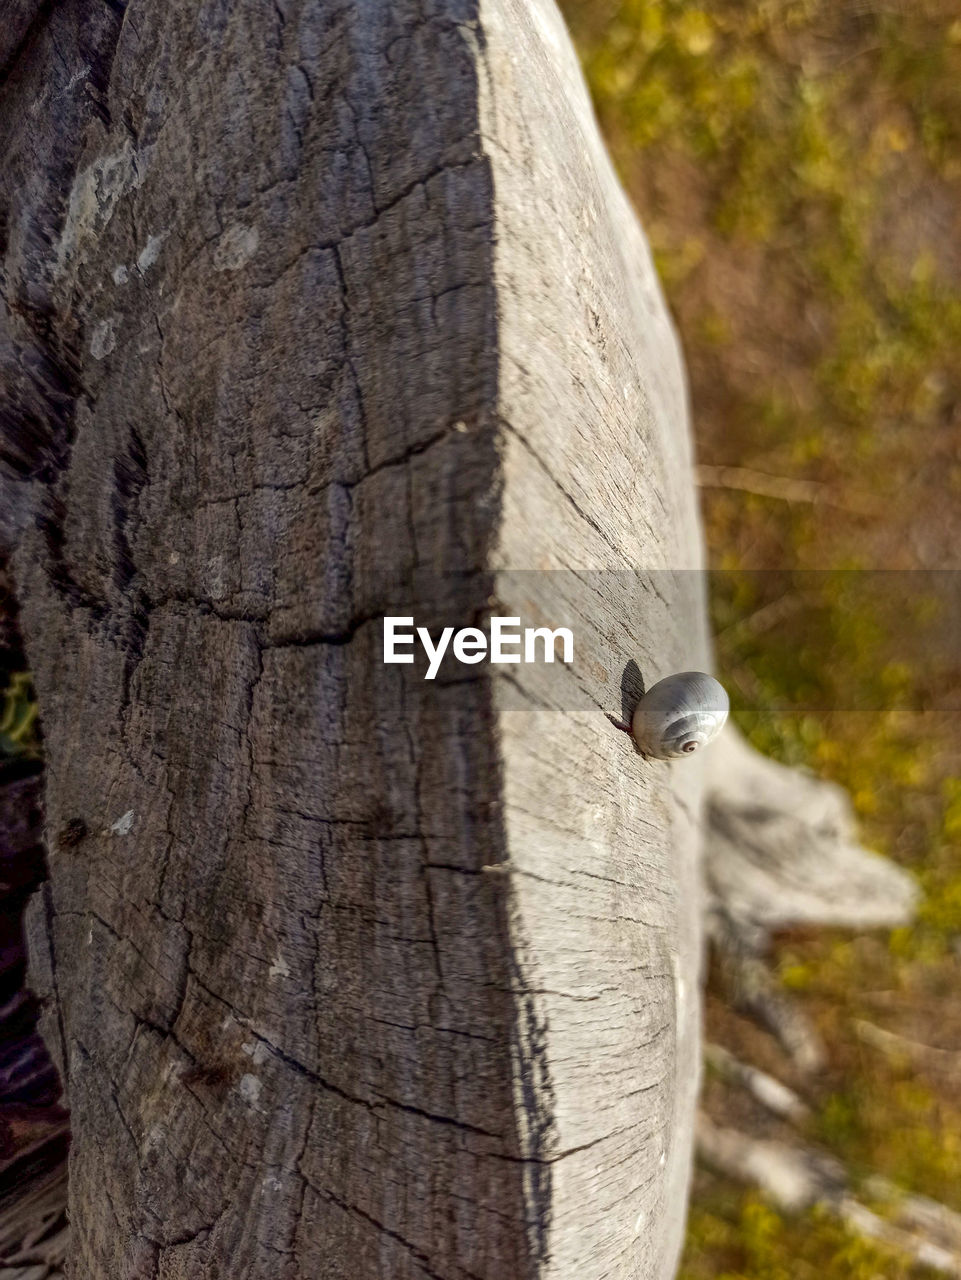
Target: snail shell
point(679, 715)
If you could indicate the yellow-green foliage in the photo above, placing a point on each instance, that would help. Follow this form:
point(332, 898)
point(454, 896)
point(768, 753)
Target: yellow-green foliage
point(800, 120)
point(736, 1235)
point(797, 165)
point(18, 717)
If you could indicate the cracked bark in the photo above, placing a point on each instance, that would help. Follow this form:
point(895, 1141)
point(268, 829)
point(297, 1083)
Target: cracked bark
point(313, 313)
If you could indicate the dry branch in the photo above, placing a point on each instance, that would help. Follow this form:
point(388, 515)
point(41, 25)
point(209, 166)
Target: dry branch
point(784, 489)
point(781, 850)
point(764, 1088)
point(903, 1048)
point(797, 1178)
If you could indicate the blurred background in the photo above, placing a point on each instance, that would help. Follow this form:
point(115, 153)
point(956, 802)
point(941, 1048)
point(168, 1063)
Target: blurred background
point(796, 165)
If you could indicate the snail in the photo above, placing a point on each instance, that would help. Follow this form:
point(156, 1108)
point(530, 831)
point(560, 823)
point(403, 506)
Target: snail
point(679, 715)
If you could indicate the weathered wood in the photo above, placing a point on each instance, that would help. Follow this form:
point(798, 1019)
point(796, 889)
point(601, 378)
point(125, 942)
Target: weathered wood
point(781, 849)
point(598, 497)
point(342, 314)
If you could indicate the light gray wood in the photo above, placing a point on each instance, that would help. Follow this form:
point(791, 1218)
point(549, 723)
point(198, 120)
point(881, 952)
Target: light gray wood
point(598, 499)
point(340, 311)
point(781, 849)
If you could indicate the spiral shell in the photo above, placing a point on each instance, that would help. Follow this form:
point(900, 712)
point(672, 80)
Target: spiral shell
point(679, 715)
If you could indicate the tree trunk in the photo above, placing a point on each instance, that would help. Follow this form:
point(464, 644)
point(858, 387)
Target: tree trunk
point(316, 313)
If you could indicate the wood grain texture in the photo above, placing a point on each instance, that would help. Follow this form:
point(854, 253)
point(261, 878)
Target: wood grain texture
point(599, 527)
point(343, 314)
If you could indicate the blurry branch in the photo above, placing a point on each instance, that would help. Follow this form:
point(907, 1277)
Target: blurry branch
point(781, 850)
point(863, 1221)
point(918, 1212)
point(793, 1177)
point(784, 489)
point(768, 616)
point(34, 1234)
point(752, 989)
point(900, 1047)
point(798, 1177)
point(770, 1093)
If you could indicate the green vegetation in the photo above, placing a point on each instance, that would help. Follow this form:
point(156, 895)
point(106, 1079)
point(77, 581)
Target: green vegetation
point(18, 717)
point(733, 1237)
point(797, 166)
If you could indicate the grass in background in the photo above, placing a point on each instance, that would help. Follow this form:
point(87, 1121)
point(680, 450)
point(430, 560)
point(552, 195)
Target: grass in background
point(19, 735)
point(797, 168)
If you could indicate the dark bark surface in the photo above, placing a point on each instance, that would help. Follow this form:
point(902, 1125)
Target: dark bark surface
point(27, 1076)
point(276, 361)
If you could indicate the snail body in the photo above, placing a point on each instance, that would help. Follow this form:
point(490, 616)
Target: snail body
point(679, 715)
